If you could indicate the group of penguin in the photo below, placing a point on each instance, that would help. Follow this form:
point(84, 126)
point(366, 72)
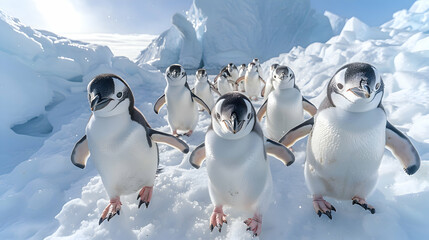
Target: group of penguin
point(347, 135)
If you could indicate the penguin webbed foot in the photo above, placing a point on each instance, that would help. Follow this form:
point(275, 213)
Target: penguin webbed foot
point(361, 202)
point(145, 196)
point(189, 133)
point(321, 206)
point(111, 210)
point(254, 224)
point(218, 218)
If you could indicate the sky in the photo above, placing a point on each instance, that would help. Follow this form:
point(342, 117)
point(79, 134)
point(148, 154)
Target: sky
point(154, 16)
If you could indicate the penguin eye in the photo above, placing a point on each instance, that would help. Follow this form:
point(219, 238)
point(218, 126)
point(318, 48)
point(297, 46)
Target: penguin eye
point(218, 115)
point(248, 116)
point(340, 86)
point(290, 75)
point(377, 86)
point(119, 95)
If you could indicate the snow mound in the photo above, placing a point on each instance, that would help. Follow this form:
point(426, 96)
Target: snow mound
point(236, 31)
point(39, 70)
point(414, 19)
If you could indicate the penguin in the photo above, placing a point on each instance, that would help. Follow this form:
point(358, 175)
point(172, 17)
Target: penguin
point(251, 81)
point(238, 169)
point(258, 66)
point(266, 90)
point(241, 72)
point(203, 88)
point(347, 138)
point(182, 111)
point(233, 72)
point(284, 106)
point(223, 84)
point(121, 143)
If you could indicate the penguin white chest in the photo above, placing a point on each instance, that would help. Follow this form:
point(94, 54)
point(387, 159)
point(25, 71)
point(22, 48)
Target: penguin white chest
point(345, 149)
point(121, 154)
point(182, 111)
point(223, 86)
point(252, 84)
point(284, 112)
point(237, 169)
point(202, 90)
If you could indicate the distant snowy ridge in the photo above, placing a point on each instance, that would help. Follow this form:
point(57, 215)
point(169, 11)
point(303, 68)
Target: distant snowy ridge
point(39, 70)
point(219, 32)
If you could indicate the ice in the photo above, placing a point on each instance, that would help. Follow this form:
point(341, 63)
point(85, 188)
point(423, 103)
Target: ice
point(191, 50)
point(337, 22)
point(42, 195)
point(237, 32)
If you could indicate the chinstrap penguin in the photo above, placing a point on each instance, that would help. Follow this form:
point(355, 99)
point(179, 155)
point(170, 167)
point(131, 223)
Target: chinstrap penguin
point(121, 143)
point(347, 138)
point(284, 105)
point(203, 88)
point(252, 80)
point(182, 109)
point(236, 151)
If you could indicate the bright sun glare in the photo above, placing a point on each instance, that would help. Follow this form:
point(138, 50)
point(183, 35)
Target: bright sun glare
point(60, 15)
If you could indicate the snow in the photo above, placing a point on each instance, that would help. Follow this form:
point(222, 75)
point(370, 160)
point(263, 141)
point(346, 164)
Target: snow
point(42, 195)
point(237, 31)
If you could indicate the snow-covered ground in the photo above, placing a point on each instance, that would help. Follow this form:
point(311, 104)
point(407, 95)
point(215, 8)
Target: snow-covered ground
point(46, 196)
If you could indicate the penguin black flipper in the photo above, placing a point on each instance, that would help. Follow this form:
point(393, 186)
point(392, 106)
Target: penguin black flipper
point(262, 110)
point(168, 139)
point(80, 153)
point(198, 156)
point(402, 148)
point(213, 88)
point(201, 102)
point(309, 107)
point(279, 151)
point(159, 103)
point(239, 80)
point(297, 133)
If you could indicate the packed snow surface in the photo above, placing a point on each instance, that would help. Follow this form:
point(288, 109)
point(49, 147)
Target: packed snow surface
point(44, 78)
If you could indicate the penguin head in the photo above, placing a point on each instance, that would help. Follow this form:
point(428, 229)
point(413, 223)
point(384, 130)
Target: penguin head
point(233, 116)
point(252, 67)
point(256, 60)
point(273, 67)
point(242, 66)
point(283, 77)
point(356, 87)
point(225, 75)
point(201, 75)
point(231, 67)
point(176, 75)
point(109, 95)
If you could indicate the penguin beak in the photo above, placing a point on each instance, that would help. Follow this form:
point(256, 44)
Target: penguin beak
point(234, 125)
point(362, 92)
point(98, 103)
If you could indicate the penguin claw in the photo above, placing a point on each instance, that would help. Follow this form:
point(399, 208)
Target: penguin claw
point(321, 206)
point(217, 218)
point(361, 202)
point(254, 224)
point(145, 195)
point(111, 210)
